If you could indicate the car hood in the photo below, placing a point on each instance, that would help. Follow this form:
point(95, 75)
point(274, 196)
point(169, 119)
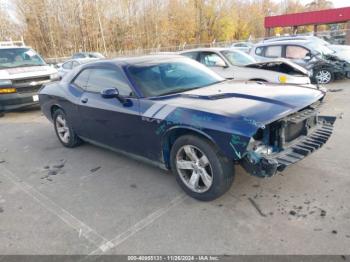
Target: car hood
point(265, 65)
point(259, 102)
point(342, 52)
point(25, 72)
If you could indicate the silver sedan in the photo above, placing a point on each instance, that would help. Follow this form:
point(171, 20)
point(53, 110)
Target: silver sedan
point(235, 64)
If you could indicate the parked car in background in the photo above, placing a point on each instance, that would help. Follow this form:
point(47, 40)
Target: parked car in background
point(22, 74)
point(296, 37)
point(180, 115)
point(310, 54)
point(235, 64)
point(342, 51)
point(67, 66)
point(87, 55)
point(242, 46)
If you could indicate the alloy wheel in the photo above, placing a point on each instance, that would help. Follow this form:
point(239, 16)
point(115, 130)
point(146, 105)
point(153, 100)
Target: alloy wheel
point(194, 168)
point(62, 129)
point(323, 76)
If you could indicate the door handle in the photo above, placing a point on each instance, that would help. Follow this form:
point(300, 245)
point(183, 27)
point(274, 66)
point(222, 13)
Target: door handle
point(84, 100)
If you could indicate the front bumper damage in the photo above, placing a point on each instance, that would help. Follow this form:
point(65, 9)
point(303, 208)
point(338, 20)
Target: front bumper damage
point(268, 165)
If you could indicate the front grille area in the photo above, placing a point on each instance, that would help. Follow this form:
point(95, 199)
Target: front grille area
point(30, 85)
point(285, 131)
point(28, 89)
point(30, 80)
point(293, 131)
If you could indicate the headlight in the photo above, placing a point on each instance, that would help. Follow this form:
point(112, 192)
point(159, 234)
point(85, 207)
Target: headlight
point(282, 79)
point(259, 147)
point(5, 82)
point(55, 77)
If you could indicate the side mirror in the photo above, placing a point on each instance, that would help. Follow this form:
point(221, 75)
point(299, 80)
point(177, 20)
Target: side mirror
point(114, 93)
point(307, 57)
point(110, 93)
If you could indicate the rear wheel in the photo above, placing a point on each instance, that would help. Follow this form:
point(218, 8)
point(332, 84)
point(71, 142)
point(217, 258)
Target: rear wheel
point(200, 169)
point(64, 131)
point(323, 76)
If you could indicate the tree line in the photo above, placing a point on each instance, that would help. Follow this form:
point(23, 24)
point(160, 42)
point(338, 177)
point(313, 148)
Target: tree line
point(59, 27)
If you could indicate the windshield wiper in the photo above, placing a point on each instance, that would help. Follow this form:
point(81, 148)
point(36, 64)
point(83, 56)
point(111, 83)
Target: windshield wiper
point(180, 90)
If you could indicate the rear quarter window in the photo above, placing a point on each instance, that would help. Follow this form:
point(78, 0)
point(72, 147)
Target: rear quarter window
point(82, 78)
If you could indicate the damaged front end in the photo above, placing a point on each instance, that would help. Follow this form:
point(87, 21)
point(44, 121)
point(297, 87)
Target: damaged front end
point(287, 141)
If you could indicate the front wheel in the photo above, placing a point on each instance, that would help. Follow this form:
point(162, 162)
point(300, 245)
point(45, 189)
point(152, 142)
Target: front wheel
point(200, 169)
point(323, 76)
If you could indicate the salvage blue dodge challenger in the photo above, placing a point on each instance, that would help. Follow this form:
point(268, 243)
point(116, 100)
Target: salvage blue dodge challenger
point(174, 112)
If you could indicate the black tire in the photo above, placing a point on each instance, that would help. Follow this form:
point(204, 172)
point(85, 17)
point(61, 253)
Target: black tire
point(222, 168)
point(73, 139)
point(326, 71)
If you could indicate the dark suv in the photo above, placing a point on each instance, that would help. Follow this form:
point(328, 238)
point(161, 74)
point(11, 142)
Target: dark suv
point(324, 64)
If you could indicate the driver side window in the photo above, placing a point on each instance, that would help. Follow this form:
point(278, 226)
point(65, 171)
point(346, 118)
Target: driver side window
point(296, 52)
point(211, 59)
point(102, 78)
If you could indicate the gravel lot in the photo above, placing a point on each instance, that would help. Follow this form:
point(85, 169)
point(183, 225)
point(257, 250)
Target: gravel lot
point(89, 200)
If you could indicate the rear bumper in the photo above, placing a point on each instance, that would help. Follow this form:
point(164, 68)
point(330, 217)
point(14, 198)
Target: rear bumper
point(268, 165)
point(17, 100)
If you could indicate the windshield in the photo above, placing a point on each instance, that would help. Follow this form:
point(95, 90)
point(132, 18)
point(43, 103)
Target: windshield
point(321, 41)
point(238, 58)
point(19, 57)
point(322, 49)
point(171, 77)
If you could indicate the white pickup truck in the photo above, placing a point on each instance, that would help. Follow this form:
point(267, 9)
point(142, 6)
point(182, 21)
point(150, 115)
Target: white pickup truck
point(22, 73)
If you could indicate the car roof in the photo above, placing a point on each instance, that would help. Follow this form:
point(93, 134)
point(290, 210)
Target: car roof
point(291, 37)
point(135, 60)
point(285, 42)
point(246, 43)
point(81, 60)
point(204, 49)
point(87, 52)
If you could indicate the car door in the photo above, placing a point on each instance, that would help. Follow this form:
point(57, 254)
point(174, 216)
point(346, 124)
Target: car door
point(216, 63)
point(110, 121)
point(298, 54)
